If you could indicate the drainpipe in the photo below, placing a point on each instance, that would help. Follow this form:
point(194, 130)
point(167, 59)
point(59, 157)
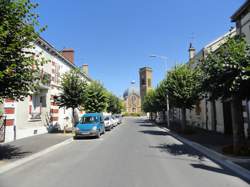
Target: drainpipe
point(248, 119)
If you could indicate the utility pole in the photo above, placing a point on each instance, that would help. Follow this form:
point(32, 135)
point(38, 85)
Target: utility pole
point(164, 59)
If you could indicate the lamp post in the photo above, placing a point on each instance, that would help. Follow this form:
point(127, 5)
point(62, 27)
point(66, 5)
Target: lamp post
point(164, 59)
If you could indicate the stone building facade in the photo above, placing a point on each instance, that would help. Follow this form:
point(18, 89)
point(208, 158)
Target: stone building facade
point(132, 99)
point(214, 116)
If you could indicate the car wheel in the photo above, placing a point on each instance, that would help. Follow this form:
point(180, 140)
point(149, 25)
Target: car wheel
point(98, 134)
point(104, 131)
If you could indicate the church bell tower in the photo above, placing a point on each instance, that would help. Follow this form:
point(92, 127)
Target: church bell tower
point(145, 81)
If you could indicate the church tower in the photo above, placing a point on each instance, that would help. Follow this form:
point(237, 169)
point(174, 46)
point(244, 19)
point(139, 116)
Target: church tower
point(145, 81)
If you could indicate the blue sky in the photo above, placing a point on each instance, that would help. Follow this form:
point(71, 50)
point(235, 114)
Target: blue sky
point(116, 37)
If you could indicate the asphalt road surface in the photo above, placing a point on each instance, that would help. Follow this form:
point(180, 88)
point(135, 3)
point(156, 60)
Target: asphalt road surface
point(134, 154)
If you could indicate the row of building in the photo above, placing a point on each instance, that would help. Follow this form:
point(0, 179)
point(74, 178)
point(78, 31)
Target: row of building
point(216, 115)
point(38, 111)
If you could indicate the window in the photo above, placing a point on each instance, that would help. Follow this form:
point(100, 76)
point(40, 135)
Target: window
point(36, 107)
point(143, 82)
point(133, 100)
point(89, 119)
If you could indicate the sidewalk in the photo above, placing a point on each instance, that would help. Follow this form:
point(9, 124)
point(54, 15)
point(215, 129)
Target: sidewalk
point(22, 148)
point(214, 141)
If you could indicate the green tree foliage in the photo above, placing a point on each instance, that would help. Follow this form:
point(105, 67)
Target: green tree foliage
point(183, 86)
point(227, 76)
point(96, 98)
point(73, 90)
point(161, 99)
point(227, 70)
point(114, 104)
point(150, 103)
point(18, 67)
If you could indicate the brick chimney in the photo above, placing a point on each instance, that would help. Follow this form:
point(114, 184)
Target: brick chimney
point(85, 69)
point(68, 54)
point(191, 51)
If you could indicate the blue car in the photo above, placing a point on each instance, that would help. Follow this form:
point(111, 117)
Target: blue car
point(90, 124)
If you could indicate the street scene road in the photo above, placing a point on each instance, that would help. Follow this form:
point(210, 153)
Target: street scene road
point(134, 154)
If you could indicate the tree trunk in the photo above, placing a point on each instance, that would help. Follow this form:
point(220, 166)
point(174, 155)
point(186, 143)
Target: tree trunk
point(151, 116)
point(183, 119)
point(213, 116)
point(164, 116)
point(238, 124)
point(73, 118)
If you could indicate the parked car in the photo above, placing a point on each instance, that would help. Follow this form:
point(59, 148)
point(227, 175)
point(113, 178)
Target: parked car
point(119, 118)
point(108, 123)
point(115, 120)
point(90, 124)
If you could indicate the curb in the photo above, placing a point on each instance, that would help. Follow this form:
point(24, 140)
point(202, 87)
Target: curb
point(22, 161)
point(216, 157)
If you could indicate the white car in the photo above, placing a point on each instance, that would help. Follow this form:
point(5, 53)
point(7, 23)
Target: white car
point(119, 118)
point(115, 120)
point(108, 123)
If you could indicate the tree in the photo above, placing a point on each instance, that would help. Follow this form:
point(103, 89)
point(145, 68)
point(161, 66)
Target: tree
point(96, 98)
point(161, 99)
point(183, 86)
point(114, 104)
point(149, 103)
point(227, 76)
point(19, 70)
point(73, 91)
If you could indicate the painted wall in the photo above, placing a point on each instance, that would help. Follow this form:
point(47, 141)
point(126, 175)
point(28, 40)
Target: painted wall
point(244, 26)
point(19, 113)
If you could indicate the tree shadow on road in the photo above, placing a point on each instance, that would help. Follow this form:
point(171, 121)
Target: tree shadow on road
point(212, 169)
point(146, 125)
point(221, 170)
point(182, 149)
point(179, 149)
point(11, 152)
point(154, 132)
point(141, 121)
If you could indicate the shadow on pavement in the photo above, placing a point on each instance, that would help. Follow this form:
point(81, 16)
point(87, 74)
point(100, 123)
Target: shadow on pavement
point(11, 152)
point(179, 149)
point(212, 169)
point(146, 125)
point(142, 121)
point(154, 132)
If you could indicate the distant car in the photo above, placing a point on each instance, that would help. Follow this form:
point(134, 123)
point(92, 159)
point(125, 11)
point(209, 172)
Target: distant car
point(90, 124)
point(108, 123)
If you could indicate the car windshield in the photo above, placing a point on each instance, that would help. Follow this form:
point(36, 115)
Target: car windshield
point(89, 119)
point(106, 118)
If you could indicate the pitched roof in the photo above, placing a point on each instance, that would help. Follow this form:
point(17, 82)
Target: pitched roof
point(241, 10)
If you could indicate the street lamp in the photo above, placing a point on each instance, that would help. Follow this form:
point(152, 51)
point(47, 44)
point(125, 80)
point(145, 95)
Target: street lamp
point(164, 59)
